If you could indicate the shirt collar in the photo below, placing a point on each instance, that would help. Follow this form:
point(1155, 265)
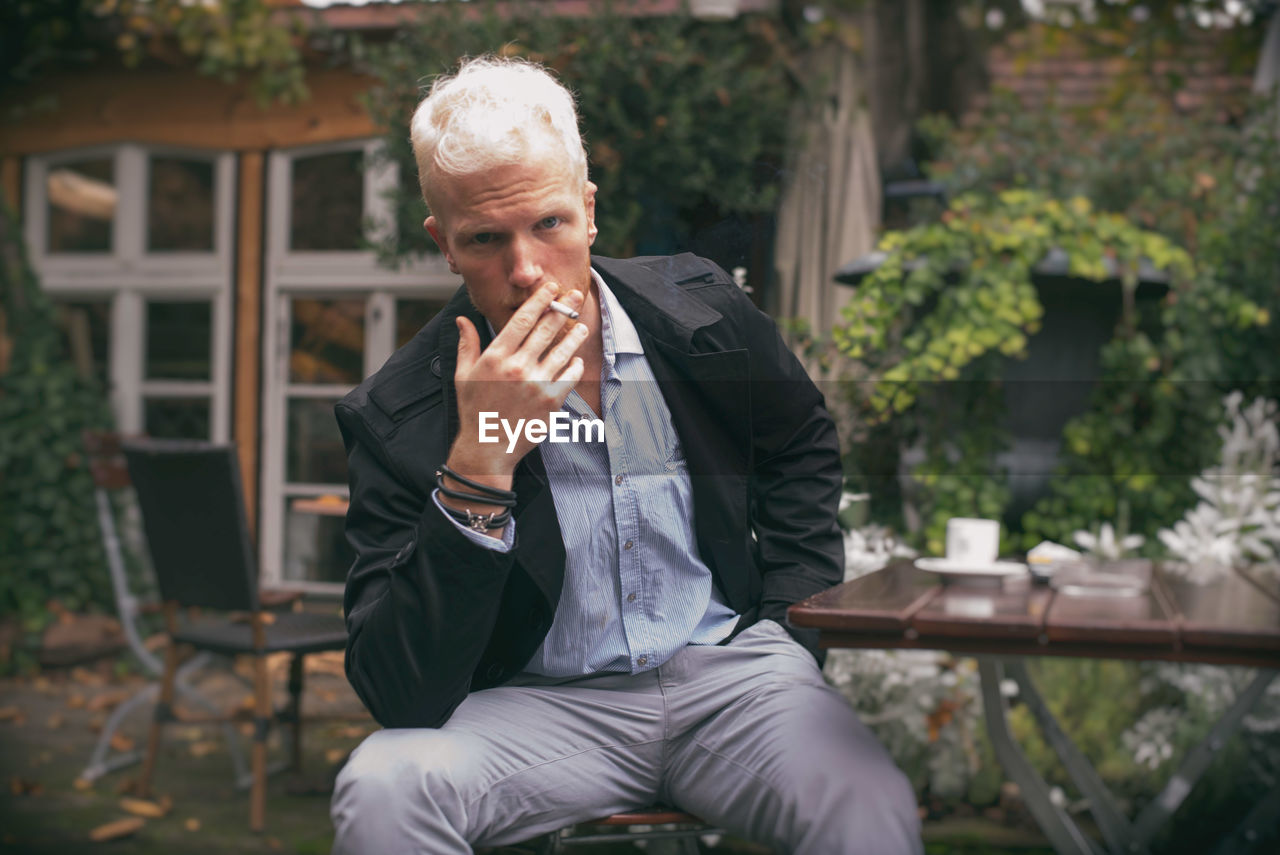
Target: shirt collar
point(625, 337)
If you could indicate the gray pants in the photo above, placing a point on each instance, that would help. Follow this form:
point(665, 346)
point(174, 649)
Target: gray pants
point(746, 736)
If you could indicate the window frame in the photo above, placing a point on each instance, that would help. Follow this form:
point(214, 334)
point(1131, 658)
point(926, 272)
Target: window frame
point(128, 276)
point(339, 274)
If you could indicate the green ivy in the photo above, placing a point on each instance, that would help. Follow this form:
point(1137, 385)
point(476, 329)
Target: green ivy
point(1210, 187)
point(49, 539)
point(929, 331)
point(681, 117)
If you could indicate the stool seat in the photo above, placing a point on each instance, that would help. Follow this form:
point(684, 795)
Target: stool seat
point(648, 816)
point(667, 830)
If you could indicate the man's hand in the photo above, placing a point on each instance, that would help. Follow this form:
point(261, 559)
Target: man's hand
point(524, 373)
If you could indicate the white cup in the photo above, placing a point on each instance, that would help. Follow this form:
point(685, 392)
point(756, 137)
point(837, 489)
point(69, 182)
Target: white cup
point(972, 541)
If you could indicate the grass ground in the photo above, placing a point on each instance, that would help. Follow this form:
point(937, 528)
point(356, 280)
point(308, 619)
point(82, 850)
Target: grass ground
point(48, 725)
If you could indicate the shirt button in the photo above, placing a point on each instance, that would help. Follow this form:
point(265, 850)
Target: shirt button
point(631, 598)
point(642, 661)
point(618, 480)
point(628, 544)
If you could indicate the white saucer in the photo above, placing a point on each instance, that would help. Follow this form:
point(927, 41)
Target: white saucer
point(990, 569)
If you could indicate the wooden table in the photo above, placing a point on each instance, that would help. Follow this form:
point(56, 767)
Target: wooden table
point(1235, 621)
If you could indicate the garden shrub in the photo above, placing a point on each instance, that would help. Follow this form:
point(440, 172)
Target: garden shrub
point(1212, 189)
point(681, 117)
point(49, 540)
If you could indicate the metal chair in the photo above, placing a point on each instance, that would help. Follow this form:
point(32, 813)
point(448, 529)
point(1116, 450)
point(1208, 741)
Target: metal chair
point(197, 533)
point(110, 476)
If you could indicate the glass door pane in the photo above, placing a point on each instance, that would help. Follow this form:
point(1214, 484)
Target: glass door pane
point(82, 206)
point(177, 372)
point(180, 205)
point(326, 206)
point(326, 341)
point(324, 361)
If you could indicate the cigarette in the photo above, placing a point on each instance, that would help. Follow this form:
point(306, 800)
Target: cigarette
point(564, 310)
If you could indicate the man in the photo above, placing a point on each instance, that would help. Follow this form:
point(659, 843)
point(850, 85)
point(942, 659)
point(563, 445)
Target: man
point(552, 631)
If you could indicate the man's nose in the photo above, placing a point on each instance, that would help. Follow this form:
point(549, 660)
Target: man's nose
point(525, 266)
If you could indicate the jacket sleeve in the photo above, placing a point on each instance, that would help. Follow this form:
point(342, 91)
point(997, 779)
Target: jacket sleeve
point(796, 475)
point(421, 599)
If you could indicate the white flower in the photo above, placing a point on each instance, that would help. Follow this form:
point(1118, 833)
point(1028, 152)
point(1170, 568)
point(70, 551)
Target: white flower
point(1238, 518)
point(1105, 545)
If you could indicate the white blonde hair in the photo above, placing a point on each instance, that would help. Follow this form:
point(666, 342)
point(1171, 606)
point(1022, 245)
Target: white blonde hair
point(494, 112)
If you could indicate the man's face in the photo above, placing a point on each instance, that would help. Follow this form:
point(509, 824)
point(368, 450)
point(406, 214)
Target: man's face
point(510, 229)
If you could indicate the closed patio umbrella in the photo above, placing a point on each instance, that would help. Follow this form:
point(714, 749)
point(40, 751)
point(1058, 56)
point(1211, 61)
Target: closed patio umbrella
point(830, 208)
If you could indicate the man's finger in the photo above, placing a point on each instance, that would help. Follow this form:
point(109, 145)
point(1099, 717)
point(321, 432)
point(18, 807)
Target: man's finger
point(558, 357)
point(568, 379)
point(549, 326)
point(468, 344)
point(512, 335)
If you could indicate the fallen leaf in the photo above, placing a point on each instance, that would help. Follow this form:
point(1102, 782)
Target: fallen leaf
point(142, 807)
point(201, 749)
point(82, 785)
point(120, 742)
point(96, 723)
point(328, 696)
point(54, 721)
point(352, 731)
point(25, 787)
point(75, 701)
point(330, 662)
point(274, 843)
point(166, 802)
point(42, 684)
point(191, 824)
point(334, 755)
point(85, 677)
point(156, 642)
point(10, 713)
point(107, 700)
point(117, 829)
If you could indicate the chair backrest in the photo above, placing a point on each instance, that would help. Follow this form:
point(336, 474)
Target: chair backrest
point(194, 517)
point(109, 472)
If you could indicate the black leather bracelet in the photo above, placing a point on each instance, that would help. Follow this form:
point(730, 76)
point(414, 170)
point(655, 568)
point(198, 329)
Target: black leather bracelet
point(483, 489)
point(475, 497)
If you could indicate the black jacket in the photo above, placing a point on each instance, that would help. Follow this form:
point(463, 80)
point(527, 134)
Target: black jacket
point(432, 616)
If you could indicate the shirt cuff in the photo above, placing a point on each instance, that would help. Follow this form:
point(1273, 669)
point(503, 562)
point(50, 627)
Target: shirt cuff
point(508, 532)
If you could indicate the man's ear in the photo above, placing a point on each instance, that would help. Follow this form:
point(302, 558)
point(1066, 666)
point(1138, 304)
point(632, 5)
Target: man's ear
point(589, 202)
point(433, 229)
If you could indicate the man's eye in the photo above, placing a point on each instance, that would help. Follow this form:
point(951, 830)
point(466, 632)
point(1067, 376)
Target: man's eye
point(482, 238)
point(549, 222)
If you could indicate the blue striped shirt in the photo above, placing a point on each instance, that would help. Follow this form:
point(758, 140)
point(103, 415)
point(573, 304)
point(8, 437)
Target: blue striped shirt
point(635, 590)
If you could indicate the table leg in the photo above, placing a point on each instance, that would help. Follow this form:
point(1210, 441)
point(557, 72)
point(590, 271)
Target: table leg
point(1198, 759)
point(1064, 835)
point(1115, 826)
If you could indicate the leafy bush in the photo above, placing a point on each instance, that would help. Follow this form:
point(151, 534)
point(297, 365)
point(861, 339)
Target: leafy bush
point(49, 542)
point(930, 329)
point(681, 117)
